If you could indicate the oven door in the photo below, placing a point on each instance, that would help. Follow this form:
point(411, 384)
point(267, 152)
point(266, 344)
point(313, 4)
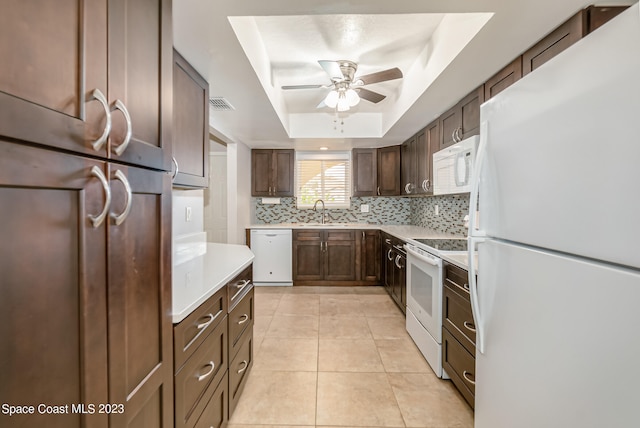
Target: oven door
point(424, 290)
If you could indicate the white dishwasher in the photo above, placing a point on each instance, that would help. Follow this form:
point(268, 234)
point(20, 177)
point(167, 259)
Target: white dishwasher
point(273, 256)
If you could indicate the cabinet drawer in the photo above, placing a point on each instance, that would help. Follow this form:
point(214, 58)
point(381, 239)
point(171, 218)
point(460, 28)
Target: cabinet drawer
point(239, 368)
point(193, 330)
point(307, 235)
point(238, 287)
point(240, 320)
point(216, 413)
point(460, 365)
point(341, 235)
point(458, 318)
point(456, 277)
point(198, 378)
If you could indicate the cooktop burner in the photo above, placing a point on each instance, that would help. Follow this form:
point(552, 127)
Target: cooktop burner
point(445, 244)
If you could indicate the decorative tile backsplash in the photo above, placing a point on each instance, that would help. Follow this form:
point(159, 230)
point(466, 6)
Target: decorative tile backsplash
point(381, 211)
point(451, 212)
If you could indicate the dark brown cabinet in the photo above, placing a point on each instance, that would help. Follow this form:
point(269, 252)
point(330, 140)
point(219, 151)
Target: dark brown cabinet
point(190, 125)
point(73, 218)
point(369, 256)
point(458, 332)
point(272, 172)
point(408, 165)
point(503, 79)
point(388, 174)
point(417, 155)
point(96, 80)
point(364, 171)
point(395, 273)
point(462, 120)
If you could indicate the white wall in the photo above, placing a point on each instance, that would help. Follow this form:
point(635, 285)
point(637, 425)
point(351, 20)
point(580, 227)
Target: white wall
point(239, 192)
point(183, 199)
point(215, 199)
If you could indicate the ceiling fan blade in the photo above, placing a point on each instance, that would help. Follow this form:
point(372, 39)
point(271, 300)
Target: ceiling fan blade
point(371, 96)
point(332, 68)
point(380, 76)
point(303, 86)
point(321, 105)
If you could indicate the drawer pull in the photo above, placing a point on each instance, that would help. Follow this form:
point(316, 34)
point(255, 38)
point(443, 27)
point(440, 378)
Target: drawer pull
point(206, 323)
point(468, 377)
point(240, 286)
point(466, 286)
point(207, 374)
point(242, 283)
point(244, 367)
point(469, 326)
point(245, 317)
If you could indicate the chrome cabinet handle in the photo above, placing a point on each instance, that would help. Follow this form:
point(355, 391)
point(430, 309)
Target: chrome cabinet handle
point(407, 188)
point(378, 190)
point(466, 287)
point(398, 261)
point(269, 190)
point(120, 218)
point(363, 237)
point(453, 135)
point(175, 174)
point(97, 220)
point(428, 184)
point(119, 105)
point(206, 323)
point(390, 255)
point(466, 376)
point(242, 283)
point(245, 366)
point(243, 319)
point(207, 374)
point(97, 95)
point(388, 241)
point(469, 326)
point(424, 185)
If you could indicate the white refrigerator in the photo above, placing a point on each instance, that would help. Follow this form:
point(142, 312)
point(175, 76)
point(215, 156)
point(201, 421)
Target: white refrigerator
point(557, 299)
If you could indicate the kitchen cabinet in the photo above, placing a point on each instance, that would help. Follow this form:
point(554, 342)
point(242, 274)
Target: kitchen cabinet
point(364, 171)
point(503, 79)
point(458, 332)
point(408, 165)
point(462, 120)
point(369, 257)
point(572, 30)
point(95, 80)
point(103, 297)
point(416, 159)
point(395, 272)
point(190, 125)
point(272, 172)
point(388, 174)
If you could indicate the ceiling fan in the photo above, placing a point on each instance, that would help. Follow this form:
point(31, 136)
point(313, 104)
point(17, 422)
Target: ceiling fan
point(346, 89)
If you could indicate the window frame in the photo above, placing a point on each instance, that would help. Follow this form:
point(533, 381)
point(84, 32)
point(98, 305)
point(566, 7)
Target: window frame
point(334, 155)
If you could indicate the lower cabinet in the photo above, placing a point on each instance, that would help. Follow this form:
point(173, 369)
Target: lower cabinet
point(213, 349)
point(458, 332)
point(394, 259)
point(336, 257)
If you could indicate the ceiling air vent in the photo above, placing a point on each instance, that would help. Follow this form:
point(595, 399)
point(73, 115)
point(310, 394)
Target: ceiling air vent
point(220, 104)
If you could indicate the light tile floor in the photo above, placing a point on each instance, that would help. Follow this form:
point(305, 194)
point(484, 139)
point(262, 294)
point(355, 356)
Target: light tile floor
point(340, 357)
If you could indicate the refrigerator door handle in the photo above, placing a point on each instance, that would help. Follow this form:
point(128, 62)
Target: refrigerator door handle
point(473, 292)
point(475, 181)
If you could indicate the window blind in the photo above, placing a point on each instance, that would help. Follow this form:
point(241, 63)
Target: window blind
point(325, 176)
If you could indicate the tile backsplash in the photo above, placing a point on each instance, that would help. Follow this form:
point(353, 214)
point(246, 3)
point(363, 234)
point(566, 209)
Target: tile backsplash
point(451, 212)
point(381, 211)
point(415, 211)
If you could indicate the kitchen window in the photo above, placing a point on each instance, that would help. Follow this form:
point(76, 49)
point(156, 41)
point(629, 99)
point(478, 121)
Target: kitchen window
point(325, 176)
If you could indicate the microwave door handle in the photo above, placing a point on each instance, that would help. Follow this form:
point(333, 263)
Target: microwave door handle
point(456, 175)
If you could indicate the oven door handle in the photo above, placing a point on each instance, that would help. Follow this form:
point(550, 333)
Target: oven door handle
point(433, 261)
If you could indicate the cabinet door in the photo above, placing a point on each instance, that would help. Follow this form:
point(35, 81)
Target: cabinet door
point(423, 163)
point(308, 260)
point(261, 172)
point(431, 145)
point(340, 255)
point(365, 171)
point(283, 167)
point(408, 166)
point(190, 125)
point(140, 327)
point(503, 79)
point(140, 76)
point(54, 55)
point(470, 112)
point(370, 255)
point(389, 266)
point(388, 171)
point(53, 309)
point(450, 123)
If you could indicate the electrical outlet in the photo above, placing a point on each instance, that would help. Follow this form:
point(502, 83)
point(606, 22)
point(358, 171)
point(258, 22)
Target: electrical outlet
point(187, 214)
point(437, 210)
point(364, 208)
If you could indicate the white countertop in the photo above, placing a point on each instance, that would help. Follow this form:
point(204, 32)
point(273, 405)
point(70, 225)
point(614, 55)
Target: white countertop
point(460, 259)
point(200, 276)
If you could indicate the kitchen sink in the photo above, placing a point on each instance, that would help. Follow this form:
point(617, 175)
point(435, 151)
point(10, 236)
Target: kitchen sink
point(323, 225)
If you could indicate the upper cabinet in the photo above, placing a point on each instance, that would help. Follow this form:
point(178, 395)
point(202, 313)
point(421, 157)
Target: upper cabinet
point(388, 183)
point(190, 125)
point(60, 79)
point(503, 79)
point(462, 120)
point(365, 169)
point(427, 143)
point(272, 172)
point(408, 165)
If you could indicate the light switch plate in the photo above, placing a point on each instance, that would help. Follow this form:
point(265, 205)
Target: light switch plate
point(364, 208)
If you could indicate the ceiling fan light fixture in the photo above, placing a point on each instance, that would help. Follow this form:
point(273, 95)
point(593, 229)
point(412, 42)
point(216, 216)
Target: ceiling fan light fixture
point(343, 102)
point(352, 97)
point(331, 99)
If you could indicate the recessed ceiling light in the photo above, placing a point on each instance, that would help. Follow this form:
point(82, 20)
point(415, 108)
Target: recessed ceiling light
point(324, 148)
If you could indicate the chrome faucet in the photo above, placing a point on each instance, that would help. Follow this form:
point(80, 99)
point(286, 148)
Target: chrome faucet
point(314, 208)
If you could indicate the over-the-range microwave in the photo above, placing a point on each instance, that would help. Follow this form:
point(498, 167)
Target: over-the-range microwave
point(453, 166)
